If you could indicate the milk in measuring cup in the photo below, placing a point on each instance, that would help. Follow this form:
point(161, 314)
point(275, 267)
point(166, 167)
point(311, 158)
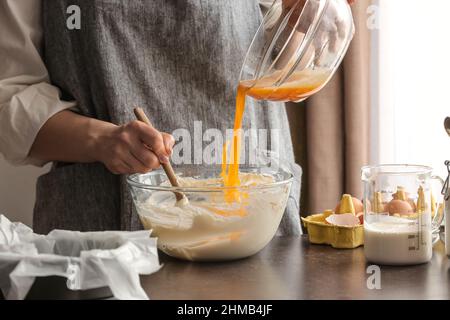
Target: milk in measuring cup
point(398, 241)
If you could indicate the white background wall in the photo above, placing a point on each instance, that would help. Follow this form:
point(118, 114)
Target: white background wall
point(414, 60)
point(17, 191)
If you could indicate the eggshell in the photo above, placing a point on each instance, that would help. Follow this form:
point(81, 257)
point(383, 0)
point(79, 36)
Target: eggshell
point(400, 207)
point(356, 203)
point(360, 216)
point(343, 220)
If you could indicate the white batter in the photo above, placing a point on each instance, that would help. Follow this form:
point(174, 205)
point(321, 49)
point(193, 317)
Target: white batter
point(398, 241)
point(209, 228)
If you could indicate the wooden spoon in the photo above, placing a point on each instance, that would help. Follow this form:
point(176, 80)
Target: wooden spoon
point(141, 116)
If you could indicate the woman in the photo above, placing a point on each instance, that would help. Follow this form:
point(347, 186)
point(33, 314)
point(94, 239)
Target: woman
point(67, 97)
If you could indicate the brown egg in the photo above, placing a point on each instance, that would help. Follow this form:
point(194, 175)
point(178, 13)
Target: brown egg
point(400, 207)
point(357, 204)
point(413, 204)
point(401, 194)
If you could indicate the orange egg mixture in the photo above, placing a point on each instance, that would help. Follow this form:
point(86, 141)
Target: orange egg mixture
point(300, 86)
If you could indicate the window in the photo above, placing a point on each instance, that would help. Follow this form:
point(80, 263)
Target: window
point(412, 86)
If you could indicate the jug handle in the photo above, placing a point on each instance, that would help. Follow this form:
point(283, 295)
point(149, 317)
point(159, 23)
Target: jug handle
point(439, 216)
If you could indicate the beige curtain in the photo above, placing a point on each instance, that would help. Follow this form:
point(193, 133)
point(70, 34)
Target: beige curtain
point(331, 134)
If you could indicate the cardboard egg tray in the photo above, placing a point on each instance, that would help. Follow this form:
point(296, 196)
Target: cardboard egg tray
point(339, 237)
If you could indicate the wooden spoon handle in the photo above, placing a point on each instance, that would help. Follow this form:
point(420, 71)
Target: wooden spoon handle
point(141, 116)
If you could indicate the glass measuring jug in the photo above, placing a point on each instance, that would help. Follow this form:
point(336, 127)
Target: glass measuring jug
point(297, 49)
point(401, 214)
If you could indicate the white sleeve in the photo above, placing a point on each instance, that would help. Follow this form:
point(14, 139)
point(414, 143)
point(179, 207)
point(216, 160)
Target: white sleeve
point(27, 99)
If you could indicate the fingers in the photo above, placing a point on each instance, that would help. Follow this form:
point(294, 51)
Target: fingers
point(131, 163)
point(147, 159)
point(118, 167)
point(147, 147)
point(142, 166)
point(288, 3)
point(169, 142)
point(152, 138)
point(135, 148)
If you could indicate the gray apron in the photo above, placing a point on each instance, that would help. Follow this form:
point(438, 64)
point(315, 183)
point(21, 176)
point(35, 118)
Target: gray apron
point(179, 59)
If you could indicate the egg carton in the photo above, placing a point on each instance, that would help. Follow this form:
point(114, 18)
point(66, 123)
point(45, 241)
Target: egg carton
point(323, 229)
point(339, 237)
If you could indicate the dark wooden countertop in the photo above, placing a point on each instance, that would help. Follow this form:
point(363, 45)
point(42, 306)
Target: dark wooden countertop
point(291, 268)
point(288, 268)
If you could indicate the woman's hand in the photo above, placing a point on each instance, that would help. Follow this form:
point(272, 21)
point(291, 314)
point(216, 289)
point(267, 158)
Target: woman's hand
point(290, 3)
point(332, 25)
point(132, 148)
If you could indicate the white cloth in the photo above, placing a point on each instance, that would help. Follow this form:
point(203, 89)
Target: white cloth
point(27, 99)
point(88, 260)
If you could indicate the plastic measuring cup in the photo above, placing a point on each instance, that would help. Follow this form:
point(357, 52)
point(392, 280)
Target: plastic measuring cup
point(401, 214)
point(297, 49)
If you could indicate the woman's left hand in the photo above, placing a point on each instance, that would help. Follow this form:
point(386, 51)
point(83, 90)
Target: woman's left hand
point(290, 3)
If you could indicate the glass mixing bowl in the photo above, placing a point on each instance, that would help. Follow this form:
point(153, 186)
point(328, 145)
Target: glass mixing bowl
point(210, 227)
point(297, 49)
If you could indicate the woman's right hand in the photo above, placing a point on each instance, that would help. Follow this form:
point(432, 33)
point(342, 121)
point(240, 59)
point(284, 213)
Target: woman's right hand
point(133, 148)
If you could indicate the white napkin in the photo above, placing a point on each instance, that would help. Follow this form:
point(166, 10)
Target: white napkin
point(88, 260)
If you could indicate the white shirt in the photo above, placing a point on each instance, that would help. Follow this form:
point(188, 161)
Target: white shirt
point(27, 99)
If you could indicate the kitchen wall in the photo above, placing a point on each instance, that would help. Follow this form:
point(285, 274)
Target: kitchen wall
point(17, 191)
